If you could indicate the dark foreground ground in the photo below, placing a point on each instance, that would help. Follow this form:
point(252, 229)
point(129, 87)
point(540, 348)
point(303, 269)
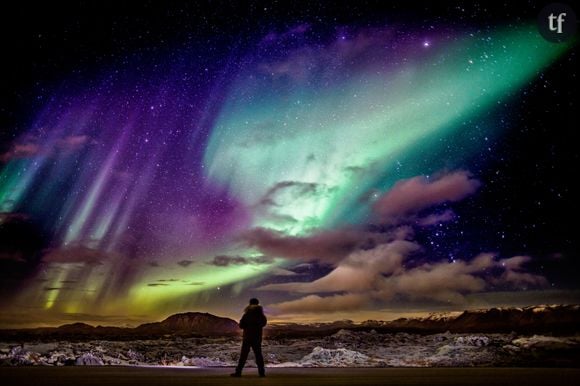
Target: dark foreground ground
point(148, 376)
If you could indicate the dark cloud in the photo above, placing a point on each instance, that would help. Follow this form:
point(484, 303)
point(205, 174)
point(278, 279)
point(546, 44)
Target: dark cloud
point(293, 189)
point(325, 246)
point(358, 272)
point(56, 288)
point(75, 254)
point(157, 285)
point(185, 263)
point(277, 271)
point(21, 240)
point(225, 260)
point(22, 243)
point(273, 203)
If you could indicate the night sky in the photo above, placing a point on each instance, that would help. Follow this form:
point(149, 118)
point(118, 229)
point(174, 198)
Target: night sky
point(358, 161)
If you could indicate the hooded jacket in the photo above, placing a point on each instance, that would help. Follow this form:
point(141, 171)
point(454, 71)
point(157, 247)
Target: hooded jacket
point(252, 322)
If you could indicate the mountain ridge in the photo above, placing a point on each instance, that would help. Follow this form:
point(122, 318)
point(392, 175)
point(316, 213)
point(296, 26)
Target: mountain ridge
point(556, 319)
point(187, 324)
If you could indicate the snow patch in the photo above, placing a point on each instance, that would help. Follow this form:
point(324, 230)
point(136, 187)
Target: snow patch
point(340, 357)
point(202, 362)
point(478, 341)
point(546, 342)
point(89, 359)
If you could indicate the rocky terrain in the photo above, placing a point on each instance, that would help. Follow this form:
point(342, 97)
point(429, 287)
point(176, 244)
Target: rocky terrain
point(204, 340)
point(342, 349)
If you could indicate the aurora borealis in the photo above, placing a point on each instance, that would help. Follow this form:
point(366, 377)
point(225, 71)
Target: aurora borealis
point(330, 169)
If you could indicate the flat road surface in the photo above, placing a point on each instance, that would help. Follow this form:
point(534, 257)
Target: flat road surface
point(149, 376)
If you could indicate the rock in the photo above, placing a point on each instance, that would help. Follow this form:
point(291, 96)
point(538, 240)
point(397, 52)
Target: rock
point(342, 334)
point(89, 359)
point(340, 357)
point(478, 341)
point(546, 342)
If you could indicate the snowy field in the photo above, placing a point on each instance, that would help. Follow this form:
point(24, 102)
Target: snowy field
point(343, 349)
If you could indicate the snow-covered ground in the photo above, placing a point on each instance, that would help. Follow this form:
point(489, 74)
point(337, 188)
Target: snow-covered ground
point(343, 349)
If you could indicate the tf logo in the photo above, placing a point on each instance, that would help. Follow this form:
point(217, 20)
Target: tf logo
point(557, 22)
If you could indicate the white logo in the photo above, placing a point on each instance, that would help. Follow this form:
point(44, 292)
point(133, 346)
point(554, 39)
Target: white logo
point(559, 19)
point(557, 22)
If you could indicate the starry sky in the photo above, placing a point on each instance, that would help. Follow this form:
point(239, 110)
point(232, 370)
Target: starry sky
point(337, 161)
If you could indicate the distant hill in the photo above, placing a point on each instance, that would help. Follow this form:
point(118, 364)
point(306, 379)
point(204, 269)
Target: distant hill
point(201, 323)
point(546, 318)
point(553, 319)
point(189, 324)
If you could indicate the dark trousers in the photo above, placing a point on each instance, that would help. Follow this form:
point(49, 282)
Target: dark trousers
point(256, 346)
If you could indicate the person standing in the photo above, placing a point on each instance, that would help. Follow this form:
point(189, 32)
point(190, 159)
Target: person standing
point(252, 322)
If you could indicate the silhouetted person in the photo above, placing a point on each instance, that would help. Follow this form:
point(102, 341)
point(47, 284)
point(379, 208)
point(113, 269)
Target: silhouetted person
point(252, 323)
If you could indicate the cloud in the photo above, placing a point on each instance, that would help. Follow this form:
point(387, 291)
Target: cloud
point(436, 218)
point(277, 271)
point(290, 190)
point(515, 263)
point(443, 281)
point(380, 275)
point(303, 266)
point(384, 264)
point(418, 193)
point(185, 263)
point(75, 254)
point(273, 205)
point(225, 260)
point(73, 142)
point(31, 148)
point(24, 150)
point(306, 62)
point(325, 246)
point(522, 279)
point(315, 304)
point(359, 272)
point(291, 33)
point(515, 275)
